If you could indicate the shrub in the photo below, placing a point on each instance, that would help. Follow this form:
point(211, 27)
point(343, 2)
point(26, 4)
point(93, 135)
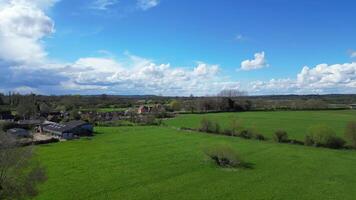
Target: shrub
point(280, 136)
point(308, 140)
point(350, 133)
point(224, 156)
point(246, 133)
point(209, 126)
point(259, 136)
point(235, 126)
point(228, 132)
point(323, 136)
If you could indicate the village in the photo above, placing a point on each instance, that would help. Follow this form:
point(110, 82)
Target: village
point(61, 125)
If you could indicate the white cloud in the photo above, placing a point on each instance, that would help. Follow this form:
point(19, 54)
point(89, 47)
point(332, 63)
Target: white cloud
point(22, 26)
point(103, 4)
point(257, 63)
point(323, 78)
point(138, 75)
point(147, 4)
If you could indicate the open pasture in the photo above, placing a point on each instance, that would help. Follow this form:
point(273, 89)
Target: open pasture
point(165, 163)
point(296, 123)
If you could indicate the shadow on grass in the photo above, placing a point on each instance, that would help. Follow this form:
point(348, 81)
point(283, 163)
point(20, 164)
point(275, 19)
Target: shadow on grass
point(247, 165)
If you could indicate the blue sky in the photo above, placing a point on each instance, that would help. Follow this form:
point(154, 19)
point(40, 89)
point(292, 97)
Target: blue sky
point(179, 47)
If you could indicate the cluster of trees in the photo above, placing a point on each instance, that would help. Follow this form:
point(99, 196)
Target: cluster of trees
point(19, 173)
point(211, 104)
point(31, 105)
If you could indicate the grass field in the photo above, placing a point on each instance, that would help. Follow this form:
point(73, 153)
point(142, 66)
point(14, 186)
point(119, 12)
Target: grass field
point(164, 163)
point(296, 123)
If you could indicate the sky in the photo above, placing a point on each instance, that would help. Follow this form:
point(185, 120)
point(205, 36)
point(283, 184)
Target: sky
point(177, 47)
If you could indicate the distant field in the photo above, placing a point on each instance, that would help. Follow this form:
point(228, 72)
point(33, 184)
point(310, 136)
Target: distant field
point(139, 163)
point(296, 123)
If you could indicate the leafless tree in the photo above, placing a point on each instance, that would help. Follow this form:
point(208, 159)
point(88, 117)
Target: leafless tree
point(19, 173)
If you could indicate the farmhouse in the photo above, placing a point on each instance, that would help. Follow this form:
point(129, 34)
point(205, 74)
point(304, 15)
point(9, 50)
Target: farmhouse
point(143, 110)
point(69, 130)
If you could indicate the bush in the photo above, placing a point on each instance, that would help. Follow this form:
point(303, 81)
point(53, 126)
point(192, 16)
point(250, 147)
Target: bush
point(259, 136)
point(235, 126)
point(280, 136)
point(224, 156)
point(350, 133)
point(228, 132)
point(246, 133)
point(209, 126)
point(323, 136)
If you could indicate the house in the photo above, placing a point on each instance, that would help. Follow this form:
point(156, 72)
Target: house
point(19, 132)
point(353, 106)
point(69, 130)
point(143, 110)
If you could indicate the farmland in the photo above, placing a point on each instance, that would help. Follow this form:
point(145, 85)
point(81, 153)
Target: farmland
point(296, 123)
point(166, 163)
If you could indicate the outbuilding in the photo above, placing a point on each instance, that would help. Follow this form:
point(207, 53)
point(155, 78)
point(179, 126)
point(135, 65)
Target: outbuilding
point(69, 130)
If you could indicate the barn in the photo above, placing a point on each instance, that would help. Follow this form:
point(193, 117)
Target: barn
point(69, 130)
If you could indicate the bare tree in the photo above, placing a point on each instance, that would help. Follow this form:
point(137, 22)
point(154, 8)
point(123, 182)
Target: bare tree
point(19, 173)
point(232, 93)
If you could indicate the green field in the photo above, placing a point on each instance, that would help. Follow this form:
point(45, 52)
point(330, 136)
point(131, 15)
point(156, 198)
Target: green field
point(296, 123)
point(165, 163)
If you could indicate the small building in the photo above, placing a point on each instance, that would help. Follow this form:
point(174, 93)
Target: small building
point(19, 132)
point(353, 106)
point(143, 110)
point(69, 130)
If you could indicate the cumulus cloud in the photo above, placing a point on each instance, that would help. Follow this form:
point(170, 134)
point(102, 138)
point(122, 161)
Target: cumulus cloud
point(147, 4)
point(22, 26)
point(257, 63)
point(323, 78)
point(102, 4)
point(137, 75)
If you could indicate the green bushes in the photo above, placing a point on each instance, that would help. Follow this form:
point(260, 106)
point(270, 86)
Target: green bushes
point(280, 136)
point(246, 133)
point(224, 156)
point(236, 129)
point(209, 126)
point(323, 136)
point(350, 133)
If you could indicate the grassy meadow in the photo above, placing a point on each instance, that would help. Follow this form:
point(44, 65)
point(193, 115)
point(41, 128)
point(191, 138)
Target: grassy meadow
point(296, 123)
point(165, 163)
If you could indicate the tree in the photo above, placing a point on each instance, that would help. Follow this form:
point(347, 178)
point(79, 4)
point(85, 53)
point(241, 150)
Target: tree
point(44, 108)
point(26, 109)
point(74, 115)
point(19, 174)
point(175, 105)
point(351, 133)
point(1, 98)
